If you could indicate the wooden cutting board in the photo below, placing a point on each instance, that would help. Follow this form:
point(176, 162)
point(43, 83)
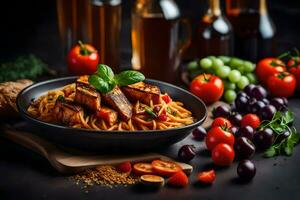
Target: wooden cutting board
point(69, 162)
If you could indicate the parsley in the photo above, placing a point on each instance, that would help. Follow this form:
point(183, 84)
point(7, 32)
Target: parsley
point(150, 112)
point(280, 123)
point(61, 98)
point(168, 110)
point(24, 67)
point(174, 113)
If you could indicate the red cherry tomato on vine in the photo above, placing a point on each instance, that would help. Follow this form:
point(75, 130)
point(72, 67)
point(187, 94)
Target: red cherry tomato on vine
point(293, 62)
point(207, 87)
point(220, 121)
point(217, 135)
point(294, 68)
point(268, 67)
point(282, 84)
point(223, 155)
point(82, 59)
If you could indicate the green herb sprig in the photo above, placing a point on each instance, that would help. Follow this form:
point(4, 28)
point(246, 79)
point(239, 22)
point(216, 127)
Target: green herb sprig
point(150, 112)
point(23, 67)
point(281, 122)
point(104, 80)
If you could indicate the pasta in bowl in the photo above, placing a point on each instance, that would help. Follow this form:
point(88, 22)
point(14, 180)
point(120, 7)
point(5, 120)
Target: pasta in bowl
point(75, 107)
point(86, 112)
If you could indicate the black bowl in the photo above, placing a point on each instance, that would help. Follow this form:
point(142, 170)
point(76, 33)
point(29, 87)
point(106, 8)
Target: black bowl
point(114, 140)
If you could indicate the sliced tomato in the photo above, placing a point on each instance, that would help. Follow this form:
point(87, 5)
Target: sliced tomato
point(165, 168)
point(142, 169)
point(207, 176)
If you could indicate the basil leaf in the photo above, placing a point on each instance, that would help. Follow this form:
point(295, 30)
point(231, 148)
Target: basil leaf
point(270, 152)
point(100, 84)
point(129, 77)
point(105, 72)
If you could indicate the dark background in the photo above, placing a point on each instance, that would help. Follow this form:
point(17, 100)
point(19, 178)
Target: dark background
point(30, 27)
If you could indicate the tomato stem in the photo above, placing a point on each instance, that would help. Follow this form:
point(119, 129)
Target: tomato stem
point(297, 52)
point(283, 55)
point(206, 79)
point(83, 50)
point(282, 75)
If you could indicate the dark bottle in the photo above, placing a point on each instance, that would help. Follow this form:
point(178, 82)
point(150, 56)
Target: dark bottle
point(254, 30)
point(214, 34)
point(157, 44)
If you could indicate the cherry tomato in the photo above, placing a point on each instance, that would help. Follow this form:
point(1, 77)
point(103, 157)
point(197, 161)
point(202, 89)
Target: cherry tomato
point(220, 121)
point(268, 67)
point(165, 168)
point(282, 84)
point(293, 62)
point(223, 155)
point(207, 87)
point(250, 120)
point(294, 68)
point(82, 59)
point(217, 135)
point(207, 176)
point(166, 98)
point(103, 114)
point(142, 168)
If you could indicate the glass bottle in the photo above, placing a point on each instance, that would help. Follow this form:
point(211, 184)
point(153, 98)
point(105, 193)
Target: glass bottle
point(156, 41)
point(254, 29)
point(214, 34)
point(73, 19)
point(105, 30)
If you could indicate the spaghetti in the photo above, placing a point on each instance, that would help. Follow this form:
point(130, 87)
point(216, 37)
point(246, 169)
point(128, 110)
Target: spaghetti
point(175, 115)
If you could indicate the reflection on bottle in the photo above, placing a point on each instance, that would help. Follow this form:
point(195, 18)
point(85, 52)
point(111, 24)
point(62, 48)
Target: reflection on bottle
point(214, 34)
point(253, 28)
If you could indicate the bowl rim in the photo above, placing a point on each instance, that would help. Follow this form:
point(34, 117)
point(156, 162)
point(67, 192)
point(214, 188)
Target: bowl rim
point(25, 114)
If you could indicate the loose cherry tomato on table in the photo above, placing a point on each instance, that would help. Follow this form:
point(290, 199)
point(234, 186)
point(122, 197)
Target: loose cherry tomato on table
point(207, 176)
point(179, 179)
point(82, 59)
point(207, 87)
point(223, 155)
point(220, 121)
point(282, 84)
point(268, 67)
point(142, 169)
point(217, 135)
point(165, 168)
point(294, 68)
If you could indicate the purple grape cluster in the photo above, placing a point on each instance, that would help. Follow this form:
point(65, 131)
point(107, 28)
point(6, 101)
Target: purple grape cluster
point(253, 99)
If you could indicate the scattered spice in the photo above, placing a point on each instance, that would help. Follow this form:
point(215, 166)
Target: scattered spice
point(107, 176)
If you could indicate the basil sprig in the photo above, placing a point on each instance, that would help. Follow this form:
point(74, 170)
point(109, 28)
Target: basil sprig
point(104, 80)
point(281, 122)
